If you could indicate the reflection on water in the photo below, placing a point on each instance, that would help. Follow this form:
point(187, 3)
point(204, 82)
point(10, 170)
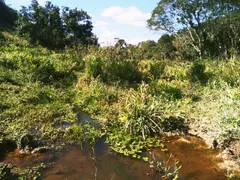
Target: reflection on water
point(75, 163)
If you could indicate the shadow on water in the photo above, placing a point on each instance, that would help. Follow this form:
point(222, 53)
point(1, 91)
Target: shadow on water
point(6, 146)
point(82, 117)
point(197, 160)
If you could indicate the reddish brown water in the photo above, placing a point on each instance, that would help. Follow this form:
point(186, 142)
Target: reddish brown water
point(198, 162)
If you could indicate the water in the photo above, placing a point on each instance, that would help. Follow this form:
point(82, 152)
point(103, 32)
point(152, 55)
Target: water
point(73, 162)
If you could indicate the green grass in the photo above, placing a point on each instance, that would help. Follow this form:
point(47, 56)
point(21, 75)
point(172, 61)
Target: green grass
point(131, 100)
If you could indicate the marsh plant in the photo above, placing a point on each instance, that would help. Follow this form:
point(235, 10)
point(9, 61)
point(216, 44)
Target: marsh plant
point(147, 115)
point(142, 116)
point(168, 170)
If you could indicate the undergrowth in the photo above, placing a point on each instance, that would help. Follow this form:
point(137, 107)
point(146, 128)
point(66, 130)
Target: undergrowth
point(133, 101)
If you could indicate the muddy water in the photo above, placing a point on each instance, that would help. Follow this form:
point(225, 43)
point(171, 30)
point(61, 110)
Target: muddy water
point(198, 162)
point(75, 163)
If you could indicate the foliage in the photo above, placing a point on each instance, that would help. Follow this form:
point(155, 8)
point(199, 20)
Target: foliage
point(194, 19)
point(198, 73)
point(45, 25)
point(36, 91)
point(30, 173)
point(108, 71)
point(131, 145)
point(166, 89)
point(83, 133)
point(168, 171)
point(232, 176)
point(8, 16)
point(154, 70)
point(145, 115)
point(5, 172)
point(42, 92)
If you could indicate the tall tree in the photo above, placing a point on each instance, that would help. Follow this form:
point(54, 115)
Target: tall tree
point(78, 26)
point(8, 16)
point(46, 26)
point(147, 49)
point(42, 24)
point(173, 15)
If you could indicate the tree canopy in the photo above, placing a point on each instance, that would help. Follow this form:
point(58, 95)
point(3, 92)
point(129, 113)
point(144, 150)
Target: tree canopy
point(195, 16)
point(8, 16)
point(47, 26)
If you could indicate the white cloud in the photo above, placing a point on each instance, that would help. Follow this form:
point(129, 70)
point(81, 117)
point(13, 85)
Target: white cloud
point(100, 23)
point(42, 2)
point(106, 37)
point(131, 15)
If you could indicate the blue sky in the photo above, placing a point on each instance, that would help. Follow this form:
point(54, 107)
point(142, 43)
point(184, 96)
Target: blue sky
point(124, 19)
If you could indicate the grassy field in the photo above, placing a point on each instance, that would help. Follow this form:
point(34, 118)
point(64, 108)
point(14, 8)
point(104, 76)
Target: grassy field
point(132, 102)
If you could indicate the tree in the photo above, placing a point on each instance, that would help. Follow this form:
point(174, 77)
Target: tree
point(165, 46)
point(226, 34)
point(173, 15)
point(8, 16)
point(120, 44)
point(121, 49)
point(45, 25)
point(147, 49)
point(78, 26)
point(41, 25)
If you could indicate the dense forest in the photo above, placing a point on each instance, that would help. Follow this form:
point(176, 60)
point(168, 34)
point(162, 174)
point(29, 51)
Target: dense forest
point(52, 69)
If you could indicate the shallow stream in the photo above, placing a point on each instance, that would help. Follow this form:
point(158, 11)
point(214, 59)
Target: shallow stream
point(74, 162)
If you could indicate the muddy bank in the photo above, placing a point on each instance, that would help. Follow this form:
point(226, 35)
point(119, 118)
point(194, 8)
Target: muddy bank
point(196, 159)
point(230, 149)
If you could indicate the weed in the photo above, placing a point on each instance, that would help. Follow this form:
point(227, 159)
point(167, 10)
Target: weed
point(168, 170)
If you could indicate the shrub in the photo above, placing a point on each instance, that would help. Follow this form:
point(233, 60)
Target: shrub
point(109, 71)
point(157, 69)
point(198, 72)
point(147, 116)
point(165, 89)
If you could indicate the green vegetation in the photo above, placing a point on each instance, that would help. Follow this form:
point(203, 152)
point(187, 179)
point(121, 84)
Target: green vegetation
point(201, 26)
point(44, 90)
point(167, 170)
point(8, 16)
point(135, 94)
point(46, 26)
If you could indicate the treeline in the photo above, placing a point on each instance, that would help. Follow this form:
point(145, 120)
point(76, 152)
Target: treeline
point(193, 29)
point(48, 27)
point(208, 28)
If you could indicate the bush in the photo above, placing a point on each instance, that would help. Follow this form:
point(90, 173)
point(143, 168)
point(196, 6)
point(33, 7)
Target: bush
point(94, 66)
point(157, 69)
point(198, 72)
point(2, 39)
point(109, 71)
point(144, 115)
point(165, 89)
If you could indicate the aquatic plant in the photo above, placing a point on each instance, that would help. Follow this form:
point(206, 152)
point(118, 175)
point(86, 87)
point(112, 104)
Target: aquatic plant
point(168, 170)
